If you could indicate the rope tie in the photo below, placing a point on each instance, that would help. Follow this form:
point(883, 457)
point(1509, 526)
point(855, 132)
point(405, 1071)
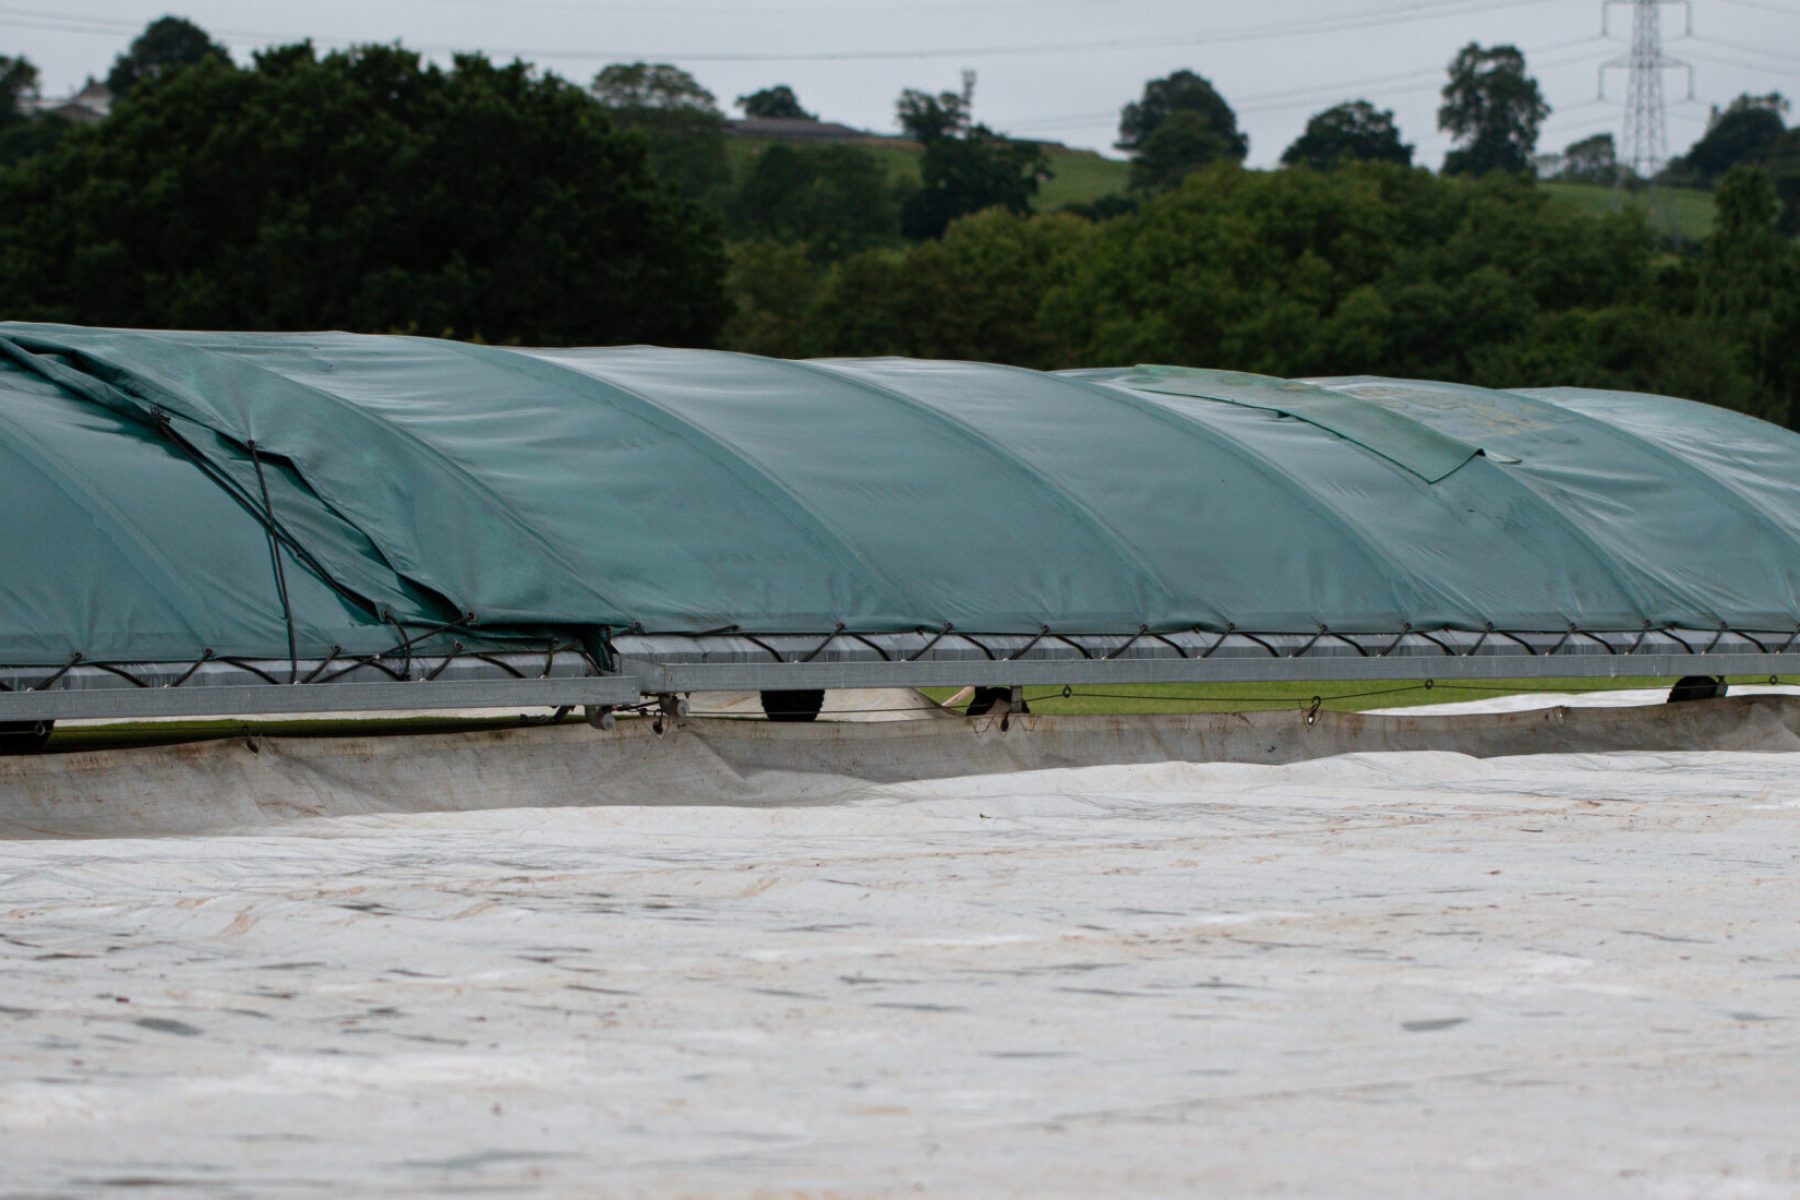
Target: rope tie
point(820, 648)
point(1043, 631)
point(205, 656)
point(287, 607)
point(948, 626)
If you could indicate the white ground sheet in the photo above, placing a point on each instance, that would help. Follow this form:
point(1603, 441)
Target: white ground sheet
point(1528, 701)
point(1373, 975)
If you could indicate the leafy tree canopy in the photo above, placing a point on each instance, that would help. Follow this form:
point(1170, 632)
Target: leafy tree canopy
point(964, 175)
point(1751, 284)
point(166, 43)
point(23, 133)
point(1353, 132)
point(18, 87)
point(1182, 91)
point(1493, 109)
point(1745, 132)
point(778, 101)
point(833, 201)
point(1773, 102)
point(1784, 165)
point(966, 167)
point(365, 191)
point(1591, 160)
point(679, 117)
point(927, 117)
point(1179, 146)
point(632, 89)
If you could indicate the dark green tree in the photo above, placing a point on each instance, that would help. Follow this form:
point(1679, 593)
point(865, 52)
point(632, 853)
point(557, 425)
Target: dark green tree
point(1750, 287)
point(1784, 165)
point(1632, 347)
point(1180, 125)
point(166, 43)
point(966, 167)
point(773, 287)
point(1369, 268)
point(1178, 147)
point(972, 294)
point(1493, 109)
point(18, 88)
point(22, 132)
point(1105, 208)
point(1352, 132)
point(1745, 132)
point(833, 200)
point(364, 190)
point(678, 116)
point(652, 87)
point(964, 175)
point(778, 101)
point(1591, 160)
point(926, 117)
point(1182, 91)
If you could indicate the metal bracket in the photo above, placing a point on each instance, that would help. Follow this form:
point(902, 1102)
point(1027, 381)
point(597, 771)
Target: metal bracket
point(672, 711)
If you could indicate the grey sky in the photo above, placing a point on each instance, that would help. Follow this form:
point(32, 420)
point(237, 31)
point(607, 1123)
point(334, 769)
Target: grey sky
point(1057, 69)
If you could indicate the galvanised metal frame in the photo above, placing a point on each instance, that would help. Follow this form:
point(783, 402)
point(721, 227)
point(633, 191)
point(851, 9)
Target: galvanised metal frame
point(654, 666)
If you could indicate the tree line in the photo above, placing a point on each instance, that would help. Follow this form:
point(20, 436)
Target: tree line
point(371, 190)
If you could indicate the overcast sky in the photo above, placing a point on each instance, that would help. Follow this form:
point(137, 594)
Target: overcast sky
point(1055, 69)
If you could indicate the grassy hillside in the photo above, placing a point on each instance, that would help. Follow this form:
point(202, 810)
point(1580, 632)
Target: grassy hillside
point(1081, 177)
point(1684, 210)
point(1078, 176)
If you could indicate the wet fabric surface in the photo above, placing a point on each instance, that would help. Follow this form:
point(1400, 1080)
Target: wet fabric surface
point(1373, 975)
point(439, 484)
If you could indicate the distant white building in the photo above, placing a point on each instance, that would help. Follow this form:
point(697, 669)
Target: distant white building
point(92, 104)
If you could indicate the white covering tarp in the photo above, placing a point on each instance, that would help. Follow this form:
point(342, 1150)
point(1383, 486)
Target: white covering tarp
point(1375, 974)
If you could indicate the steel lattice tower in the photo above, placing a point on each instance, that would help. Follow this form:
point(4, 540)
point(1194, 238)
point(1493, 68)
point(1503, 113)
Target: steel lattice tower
point(1644, 149)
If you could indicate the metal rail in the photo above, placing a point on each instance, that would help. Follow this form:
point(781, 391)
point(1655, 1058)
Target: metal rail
point(60, 704)
point(771, 676)
point(653, 666)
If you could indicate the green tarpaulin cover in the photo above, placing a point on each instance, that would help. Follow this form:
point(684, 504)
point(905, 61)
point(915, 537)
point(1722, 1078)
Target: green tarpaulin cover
point(420, 484)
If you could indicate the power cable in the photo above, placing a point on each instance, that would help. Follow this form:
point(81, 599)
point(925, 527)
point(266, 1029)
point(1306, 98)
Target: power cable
point(1723, 61)
point(1562, 131)
point(839, 14)
point(1764, 6)
point(1378, 18)
point(1713, 41)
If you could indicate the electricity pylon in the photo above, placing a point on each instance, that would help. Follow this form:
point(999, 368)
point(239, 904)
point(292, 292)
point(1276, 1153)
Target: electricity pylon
point(1644, 149)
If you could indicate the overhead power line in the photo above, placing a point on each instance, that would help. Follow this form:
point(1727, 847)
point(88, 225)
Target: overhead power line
point(1557, 132)
point(1740, 46)
point(1371, 19)
point(1726, 61)
point(1765, 6)
point(837, 13)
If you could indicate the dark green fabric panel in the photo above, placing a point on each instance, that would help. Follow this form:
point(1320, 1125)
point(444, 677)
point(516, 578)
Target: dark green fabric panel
point(688, 491)
point(936, 524)
point(324, 403)
point(1742, 455)
point(1461, 553)
point(115, 547)
point(1693, 550)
